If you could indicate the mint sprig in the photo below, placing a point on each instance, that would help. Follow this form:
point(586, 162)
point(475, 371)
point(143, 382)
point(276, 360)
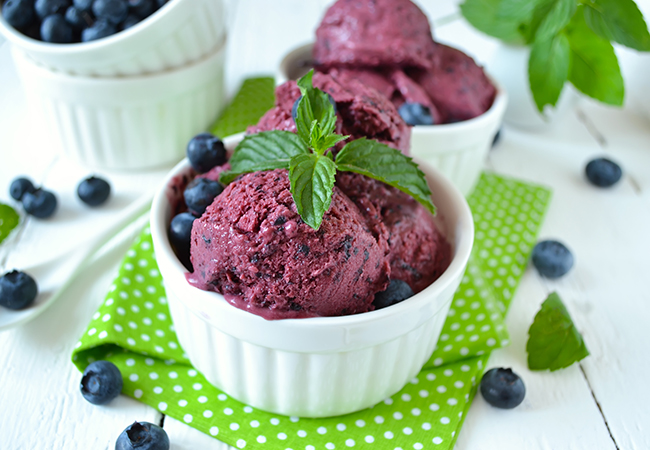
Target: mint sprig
point(554, 342)
point(312, 168)
point(588, 26)
point(9, 220)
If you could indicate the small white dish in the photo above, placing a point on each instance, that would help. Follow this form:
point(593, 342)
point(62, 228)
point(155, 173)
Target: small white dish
point(314, 367)
point(125, 123)
point(180, 32)
point(458, 150)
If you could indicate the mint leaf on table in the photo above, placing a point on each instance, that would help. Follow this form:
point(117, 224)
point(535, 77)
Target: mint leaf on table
point(594, 67)
point(267, 150)
point(9, 220)
point(553, 340)
point(548, 70)
point(381, 162)
point(312, 179)
point(550, 17)
point(498, 18)
point(619, 21)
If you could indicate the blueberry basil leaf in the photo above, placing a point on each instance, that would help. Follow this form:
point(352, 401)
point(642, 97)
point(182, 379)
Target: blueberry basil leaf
point(9, 220)
point(553, 340)
point(619, 21)
point(550, 17)
point(498, 18)
point(267, 150)
point(381, 162)
point(594, 67)
point(312, 179)
point(548, 69)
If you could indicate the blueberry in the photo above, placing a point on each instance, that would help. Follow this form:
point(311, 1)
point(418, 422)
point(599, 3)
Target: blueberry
point(46, 8)
point(84, 5)
point(56, 29)
point(502, 388)
point(19, 186)
point(603, 172)
point(142, 8)
point(94, 191)
point(142, 436)
point(113, 11)
point(78, 18)
point(180, 234)
point(131, 20)
point(101, 382)
point(40, 203)
point(161, 3)
point(205, 151)
point(552, 259)
point(100, 29)
point(17, 290)
point(396, 292)
point(19, 13)
point(200, 193)
point(294, 108)
point(415, 114)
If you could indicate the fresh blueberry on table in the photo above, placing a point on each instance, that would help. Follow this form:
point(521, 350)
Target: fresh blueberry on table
point(396, 292)
point(200, 193)
point(19, 187)
point(142, 8)
point(603, 172)
point(502, 388)
point(78, 18)
point(101, 382)
point(113, 11)
point(84, 5)
point(46, 8)
point(552, 259)
point(56, 29)
point(100, 29)
point(180, 233)
point(18, 290)
point(142, 436)
point(40, 203)
point(94, 191)
point(415, 114)
point(19, 13)
point(206, 151)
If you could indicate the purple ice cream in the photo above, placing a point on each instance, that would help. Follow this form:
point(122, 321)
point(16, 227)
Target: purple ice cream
point(252, 246)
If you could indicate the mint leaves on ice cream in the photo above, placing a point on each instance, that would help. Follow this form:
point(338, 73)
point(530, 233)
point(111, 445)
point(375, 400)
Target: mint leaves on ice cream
point(312, 168)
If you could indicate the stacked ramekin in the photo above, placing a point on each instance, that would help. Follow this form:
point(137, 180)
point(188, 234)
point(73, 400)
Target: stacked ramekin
point(134, 99)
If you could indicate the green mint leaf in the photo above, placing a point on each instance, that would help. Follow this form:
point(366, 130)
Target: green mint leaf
point(553, 340)
point(314, 105)
point(594, 67)
point(9, 220)
point(550, 17)
point(267, 150)
point(619, 21)
point(331, 140)
point(384, 163)
point(548, 69)
point(499, 18)
point(312, 179)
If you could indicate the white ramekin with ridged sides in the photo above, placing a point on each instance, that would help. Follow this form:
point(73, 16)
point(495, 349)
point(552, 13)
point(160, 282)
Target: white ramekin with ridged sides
point(129, 123)
point(180, 32)
point(458, 150)
point(314, 367)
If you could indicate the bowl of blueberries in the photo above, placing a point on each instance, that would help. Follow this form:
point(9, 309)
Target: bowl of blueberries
point(113, 37)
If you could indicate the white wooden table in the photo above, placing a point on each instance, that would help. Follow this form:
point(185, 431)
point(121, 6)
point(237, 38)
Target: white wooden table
point(601, 403)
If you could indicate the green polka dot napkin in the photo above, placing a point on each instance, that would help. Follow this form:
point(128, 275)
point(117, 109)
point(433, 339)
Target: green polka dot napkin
point(133, 329)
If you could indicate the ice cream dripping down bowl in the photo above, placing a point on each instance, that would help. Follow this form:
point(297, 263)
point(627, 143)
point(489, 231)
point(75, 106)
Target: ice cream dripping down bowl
point(319, 366)
point(458, 149)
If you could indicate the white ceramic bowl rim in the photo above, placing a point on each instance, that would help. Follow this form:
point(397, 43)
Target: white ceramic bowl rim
point(312, 326)
point(29, 43)
point(497, 107)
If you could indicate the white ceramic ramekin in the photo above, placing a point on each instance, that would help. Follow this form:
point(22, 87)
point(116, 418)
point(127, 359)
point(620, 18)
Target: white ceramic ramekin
point(125, 123)
point(315, 367)
point(182, 31)
point(458, 150)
